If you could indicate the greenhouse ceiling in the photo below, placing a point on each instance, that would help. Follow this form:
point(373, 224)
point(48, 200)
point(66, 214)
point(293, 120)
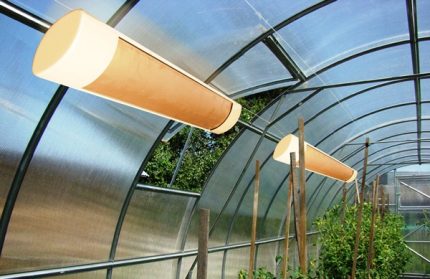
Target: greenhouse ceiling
point(70, 162)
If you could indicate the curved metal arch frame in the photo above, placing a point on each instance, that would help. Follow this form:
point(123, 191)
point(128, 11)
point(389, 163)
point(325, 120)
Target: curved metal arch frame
point(286, 24)
point(323, 181)
point(353, 120)
point(406, 104)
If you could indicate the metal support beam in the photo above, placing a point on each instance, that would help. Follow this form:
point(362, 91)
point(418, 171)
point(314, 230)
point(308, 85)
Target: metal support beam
point(415, 189)
point(413, 36)
point(23, 16)
point(273, 44)
point(418, 254)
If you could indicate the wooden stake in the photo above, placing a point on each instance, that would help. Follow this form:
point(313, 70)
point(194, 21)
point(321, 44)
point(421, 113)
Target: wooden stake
point(360, 210)
point(287, 228)
point(344, 192)
point(254, 221)
point(295, 201)
point(303, 253)
point(372, 226)
point(357, 193)
point(202, 255)
point(382, 203)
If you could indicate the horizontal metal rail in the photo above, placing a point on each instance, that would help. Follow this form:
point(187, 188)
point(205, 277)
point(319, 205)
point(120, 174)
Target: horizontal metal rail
point(167, 191)
point(135, 261)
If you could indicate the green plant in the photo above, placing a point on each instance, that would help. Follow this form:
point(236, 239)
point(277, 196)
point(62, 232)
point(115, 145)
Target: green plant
point(337, 244)
point(260, 273)
point(425, 221)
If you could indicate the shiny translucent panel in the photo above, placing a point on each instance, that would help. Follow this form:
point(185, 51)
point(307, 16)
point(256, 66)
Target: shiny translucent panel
point(256, 67)
point(389, 62)
point(214, 266)
point(222, 184)
point(366, 123)
point(424, 48)
point(152, 224)
point(342, 29)
point(236, 260)
point(425, 89)
point(51, 10)
point(185, 34)
point(266, 255)
point(408, 197)
point(425, 110)
point(272, 174)
point(237, 217)
point(277, 211)
point(423, 7)
point(308, 108)
point(326, 194)
point(277, 11)
point(69, 203)
point(23, 97)
point(98, 274)
point(162, 269)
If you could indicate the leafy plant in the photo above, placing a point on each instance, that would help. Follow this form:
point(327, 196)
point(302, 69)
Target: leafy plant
point(260, 273)
point(337, 244)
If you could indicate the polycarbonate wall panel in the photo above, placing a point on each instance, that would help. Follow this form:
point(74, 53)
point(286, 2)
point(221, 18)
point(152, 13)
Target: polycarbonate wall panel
point(423, 6)
point(51, 10)
point(319, 39)
point(309, 109)
point(425, 89)
point(323, 199)
point(266, 256)
point(221, 184)
point(272, 174)
point(23, 97)
point(73, 191)
point(256, 67)
point(277, 10)
point(185, 34)
point(424, 48)
point(236, 260)
point(238, 214)
point(346, 133)
point(390, 62)
point(152, 224)
point(408, 197)
point(425, 110)
point(275, 214)
point(163, 269)
point(214, 266)
point(288, 102)
point(98, 274)
point(186, 265)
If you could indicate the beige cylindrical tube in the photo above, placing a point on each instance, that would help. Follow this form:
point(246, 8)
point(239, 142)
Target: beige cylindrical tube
point(83, 53)
point(315, 160)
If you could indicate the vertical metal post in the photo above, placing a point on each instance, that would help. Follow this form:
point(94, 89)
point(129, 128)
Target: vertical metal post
point(202, 255)
point(372, 226)
point(360, 210)
point(303, 255)
point(287, 226)
point(254, 221)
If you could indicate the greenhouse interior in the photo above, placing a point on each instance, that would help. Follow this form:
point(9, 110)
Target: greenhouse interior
point(215, 139)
